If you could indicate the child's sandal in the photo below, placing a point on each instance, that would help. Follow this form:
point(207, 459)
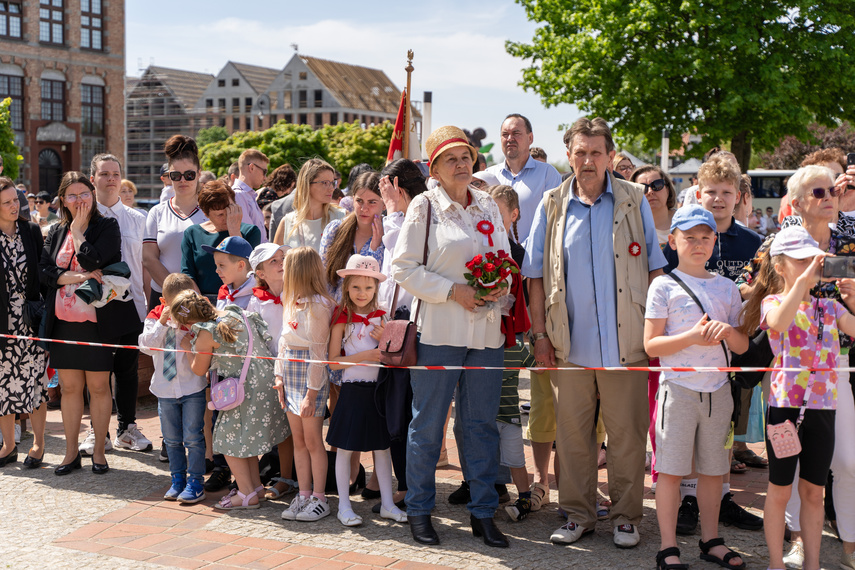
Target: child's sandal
point(723, 562)
point(667, 553)
point(226, 504)
point(274, 493)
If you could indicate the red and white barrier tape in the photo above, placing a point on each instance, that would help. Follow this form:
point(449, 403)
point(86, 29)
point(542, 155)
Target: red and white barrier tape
point(377, 365)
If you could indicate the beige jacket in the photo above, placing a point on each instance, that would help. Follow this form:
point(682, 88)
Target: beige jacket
point(631, 272)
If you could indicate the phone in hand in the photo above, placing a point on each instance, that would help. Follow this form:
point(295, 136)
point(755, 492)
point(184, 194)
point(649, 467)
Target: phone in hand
point(850, 159)
point(838, 268)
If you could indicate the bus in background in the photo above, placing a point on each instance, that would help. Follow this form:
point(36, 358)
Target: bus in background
point(768, 186)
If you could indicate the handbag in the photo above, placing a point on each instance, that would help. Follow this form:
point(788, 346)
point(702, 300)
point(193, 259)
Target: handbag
point(227, 393)
point(398, 344)
point(784, 437)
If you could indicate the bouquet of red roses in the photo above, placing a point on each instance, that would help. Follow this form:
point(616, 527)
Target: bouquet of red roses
point(489, 271)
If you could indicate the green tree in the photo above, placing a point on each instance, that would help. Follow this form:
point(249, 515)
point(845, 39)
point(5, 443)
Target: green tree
point(211, 135)
point(8, 150)
point(343, 145)
point(744, 71)
point(791, 151)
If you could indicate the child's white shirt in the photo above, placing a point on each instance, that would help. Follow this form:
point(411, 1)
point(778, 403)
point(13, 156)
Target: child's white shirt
point(228, 295)
point(265, 304)
point(185, 382)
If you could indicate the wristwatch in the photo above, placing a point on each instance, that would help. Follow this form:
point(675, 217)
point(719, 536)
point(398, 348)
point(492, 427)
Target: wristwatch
point(538, 336)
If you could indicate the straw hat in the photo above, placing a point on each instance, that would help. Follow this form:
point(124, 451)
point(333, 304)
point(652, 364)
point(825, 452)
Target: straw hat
point(445, 138)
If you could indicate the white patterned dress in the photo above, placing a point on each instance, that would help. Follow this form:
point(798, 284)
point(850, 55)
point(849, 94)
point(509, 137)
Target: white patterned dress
point(22, 362)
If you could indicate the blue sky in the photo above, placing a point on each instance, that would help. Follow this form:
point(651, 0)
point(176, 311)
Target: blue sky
point(458, 45)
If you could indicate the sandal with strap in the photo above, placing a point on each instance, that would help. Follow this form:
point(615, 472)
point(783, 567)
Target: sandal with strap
point(225, 503)
point(539, 495)
point(259, 492)
point(667, 553)
point(723, 562)
point(274, 493)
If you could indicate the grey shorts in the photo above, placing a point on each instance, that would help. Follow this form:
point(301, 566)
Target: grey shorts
point(692, 424)
point(511, 445)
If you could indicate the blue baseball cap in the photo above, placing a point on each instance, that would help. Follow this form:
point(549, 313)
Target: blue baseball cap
point(687, 217)
point(233, 245)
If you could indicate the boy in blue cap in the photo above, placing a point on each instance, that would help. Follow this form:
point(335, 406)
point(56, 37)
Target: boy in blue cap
point(694, 408)
point(231, 258)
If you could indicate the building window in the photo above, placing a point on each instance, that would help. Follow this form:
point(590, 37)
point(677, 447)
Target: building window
point(51, 21)
point(90, 146)
point(286, 100)
point(221, 105)
point(303, 76)
point(53, 99)
point(333, 118)
point(10, 19)
point(248, 122)
point(235, 124)
point(91, 24)
point(319, 119)
point(247, 102)
point(303, 119)
point(303, 95)
point(288, 118)
point(13, 86)
point(92, 106)
point(235, 104)
point(235, 82)
point(221, 82)
point(319, 98)
point(209, 104)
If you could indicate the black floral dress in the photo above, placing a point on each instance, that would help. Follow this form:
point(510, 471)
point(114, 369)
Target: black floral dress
point(22, 362)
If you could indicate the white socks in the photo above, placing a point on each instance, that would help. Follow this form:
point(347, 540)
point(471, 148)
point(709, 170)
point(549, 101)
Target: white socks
point(688, 488)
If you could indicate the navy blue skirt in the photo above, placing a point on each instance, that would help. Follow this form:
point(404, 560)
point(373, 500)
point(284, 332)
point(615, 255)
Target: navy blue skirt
point(356, 425)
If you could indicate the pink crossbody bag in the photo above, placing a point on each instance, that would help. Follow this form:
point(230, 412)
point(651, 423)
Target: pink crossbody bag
point(784, 437)
point(228, 393)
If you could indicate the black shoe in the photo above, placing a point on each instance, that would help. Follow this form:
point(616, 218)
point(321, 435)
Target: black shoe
point(11, 458)
point(99, 468)
point(33, 462)
point(733, 514)
point(422, 529)
point(163, 457)
point(220, 477)
point(400, 504)
point(68, 467)
point(504, 496)
point(370, 494)
point(461, 495)
point(209, 465)
point(359, 484)
point(687, 516)
point(488, 529)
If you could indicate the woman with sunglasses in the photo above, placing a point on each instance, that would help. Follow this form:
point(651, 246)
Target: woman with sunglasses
point(166, 222)
point(313, 209)
point(660, 194)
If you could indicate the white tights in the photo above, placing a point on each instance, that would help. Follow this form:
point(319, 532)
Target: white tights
point(383, 469)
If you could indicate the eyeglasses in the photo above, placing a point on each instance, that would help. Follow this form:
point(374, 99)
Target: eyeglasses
point(260, 168)
point(625, 168)
point(819, 193)
point(325, 183)
point(72, 198)
point(175, 176)
point(656, 186)
point(40, 202)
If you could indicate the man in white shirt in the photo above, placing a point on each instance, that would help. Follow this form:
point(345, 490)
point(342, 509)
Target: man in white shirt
point(106, 175)
point(252, 165)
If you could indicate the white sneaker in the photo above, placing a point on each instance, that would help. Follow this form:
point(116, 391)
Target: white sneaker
point(298, 503)
point(17, 432)
point(626, 536)
point(88, 445)
point(133, 439)
point(569, 533)
point(796, 556)
point(314, 510)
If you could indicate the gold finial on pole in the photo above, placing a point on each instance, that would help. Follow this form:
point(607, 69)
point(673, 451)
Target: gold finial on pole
point(409, 70)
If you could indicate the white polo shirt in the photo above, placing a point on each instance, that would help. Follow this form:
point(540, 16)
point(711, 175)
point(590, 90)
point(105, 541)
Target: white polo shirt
point(132, 226)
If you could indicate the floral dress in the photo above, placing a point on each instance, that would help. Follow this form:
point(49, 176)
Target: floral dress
point(254, 427)
point(22, 362)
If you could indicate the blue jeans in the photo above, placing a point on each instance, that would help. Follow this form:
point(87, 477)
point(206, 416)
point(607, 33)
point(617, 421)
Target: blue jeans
point(181, 422)
point(476, 407)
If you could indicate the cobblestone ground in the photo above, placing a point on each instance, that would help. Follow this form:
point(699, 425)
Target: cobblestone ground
point(119, 521)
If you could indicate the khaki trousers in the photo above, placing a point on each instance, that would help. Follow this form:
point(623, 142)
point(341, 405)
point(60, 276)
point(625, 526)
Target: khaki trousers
point(623, 403)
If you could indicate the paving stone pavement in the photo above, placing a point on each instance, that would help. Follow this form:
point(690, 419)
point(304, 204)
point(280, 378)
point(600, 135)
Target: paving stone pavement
point(119, 520)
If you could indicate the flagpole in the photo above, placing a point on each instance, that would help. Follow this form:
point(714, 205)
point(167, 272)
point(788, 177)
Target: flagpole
point(409, 70)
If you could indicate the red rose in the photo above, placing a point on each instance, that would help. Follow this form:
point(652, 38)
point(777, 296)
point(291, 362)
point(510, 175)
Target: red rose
point(470, 265)
point(477, 273)
point(489, 268)
point(491, 256)
point(477, 259)
point(503, 254)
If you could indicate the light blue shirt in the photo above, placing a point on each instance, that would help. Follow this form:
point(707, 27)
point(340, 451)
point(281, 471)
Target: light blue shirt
point(533, 180)
point(589, 273)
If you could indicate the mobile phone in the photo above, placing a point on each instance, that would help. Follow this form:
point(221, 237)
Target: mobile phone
point(838, 267)
point(850, 159)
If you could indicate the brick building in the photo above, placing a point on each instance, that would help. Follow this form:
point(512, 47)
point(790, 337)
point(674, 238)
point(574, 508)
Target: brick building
point(63, 64)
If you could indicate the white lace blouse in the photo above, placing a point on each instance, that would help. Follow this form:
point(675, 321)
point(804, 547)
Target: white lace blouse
point(453, 242)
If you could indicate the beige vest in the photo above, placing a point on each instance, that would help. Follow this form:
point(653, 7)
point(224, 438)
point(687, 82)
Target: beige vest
point(631, 271)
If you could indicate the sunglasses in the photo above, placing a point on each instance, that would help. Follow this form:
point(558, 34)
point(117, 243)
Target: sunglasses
point(40, 202)
point(656, 186)
point(188, 175)
point(819, 193)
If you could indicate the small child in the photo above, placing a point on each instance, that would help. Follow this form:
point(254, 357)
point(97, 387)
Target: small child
point(180, 395)
point(252, 428)
point(266, 261)
point(231, 258)
point(303, 387)
point(356, 425)
point(694, 408)
point(804, 332)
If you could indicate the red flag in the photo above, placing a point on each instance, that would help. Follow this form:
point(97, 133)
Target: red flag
point(396, 145)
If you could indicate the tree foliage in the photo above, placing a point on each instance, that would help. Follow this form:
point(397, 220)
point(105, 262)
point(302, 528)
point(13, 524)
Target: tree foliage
point(211, 135)
point(11, 155)
point(343, 145)
point(744, 71)
point(791, 151)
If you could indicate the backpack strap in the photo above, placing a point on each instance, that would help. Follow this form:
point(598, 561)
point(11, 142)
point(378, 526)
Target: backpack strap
point(694, 297)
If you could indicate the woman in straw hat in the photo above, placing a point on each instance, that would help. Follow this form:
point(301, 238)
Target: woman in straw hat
point(457, 329)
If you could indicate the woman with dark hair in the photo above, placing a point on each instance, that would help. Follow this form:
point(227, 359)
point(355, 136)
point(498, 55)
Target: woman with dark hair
point(660, 194)
point(217, 202)
point(75, 251)
point(166, 222)
point(21, 388)
point(279, 184)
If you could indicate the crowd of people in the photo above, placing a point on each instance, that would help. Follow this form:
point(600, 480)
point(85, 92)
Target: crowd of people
point(267, 302)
